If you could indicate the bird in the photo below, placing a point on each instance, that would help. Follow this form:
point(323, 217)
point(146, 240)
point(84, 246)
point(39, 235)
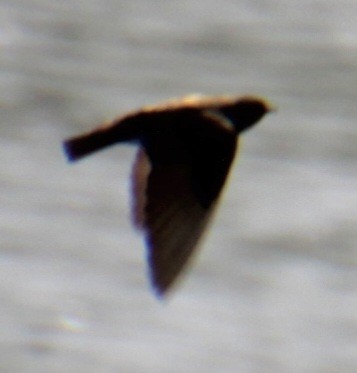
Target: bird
point(185, 149)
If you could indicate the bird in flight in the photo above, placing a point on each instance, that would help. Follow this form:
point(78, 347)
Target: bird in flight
point(186, 147)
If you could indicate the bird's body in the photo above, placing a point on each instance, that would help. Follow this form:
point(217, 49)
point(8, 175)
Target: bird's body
point(186, 148)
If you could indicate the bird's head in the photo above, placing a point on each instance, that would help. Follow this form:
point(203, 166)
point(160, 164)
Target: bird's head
point(246, 111)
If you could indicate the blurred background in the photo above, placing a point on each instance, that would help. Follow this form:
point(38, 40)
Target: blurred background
point(274, 287)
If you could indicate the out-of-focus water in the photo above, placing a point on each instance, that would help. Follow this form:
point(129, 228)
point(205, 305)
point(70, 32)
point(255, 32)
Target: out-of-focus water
point(274, 286)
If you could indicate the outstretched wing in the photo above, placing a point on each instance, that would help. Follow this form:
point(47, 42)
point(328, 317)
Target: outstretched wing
point(175, 193)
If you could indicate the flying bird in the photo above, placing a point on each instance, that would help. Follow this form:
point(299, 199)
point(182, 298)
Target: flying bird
point(186, 148)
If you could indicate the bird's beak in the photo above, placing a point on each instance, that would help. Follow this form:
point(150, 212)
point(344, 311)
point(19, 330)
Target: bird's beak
point(271, 108)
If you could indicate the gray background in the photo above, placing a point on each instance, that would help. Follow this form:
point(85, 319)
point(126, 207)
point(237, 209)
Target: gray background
point(274, 287)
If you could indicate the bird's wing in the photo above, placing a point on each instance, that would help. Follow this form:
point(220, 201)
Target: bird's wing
point(174, 200)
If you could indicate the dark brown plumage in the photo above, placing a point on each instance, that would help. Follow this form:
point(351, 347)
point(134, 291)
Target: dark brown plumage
point(186, 148)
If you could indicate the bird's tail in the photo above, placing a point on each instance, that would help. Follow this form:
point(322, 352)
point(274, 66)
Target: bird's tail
point(80, 146)
point(106, 135)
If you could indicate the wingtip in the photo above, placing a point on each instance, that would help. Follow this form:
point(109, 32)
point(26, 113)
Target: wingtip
point(160, 293)
point(159, 288)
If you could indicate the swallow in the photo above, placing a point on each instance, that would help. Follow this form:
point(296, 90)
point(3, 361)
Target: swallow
point(185, 149)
